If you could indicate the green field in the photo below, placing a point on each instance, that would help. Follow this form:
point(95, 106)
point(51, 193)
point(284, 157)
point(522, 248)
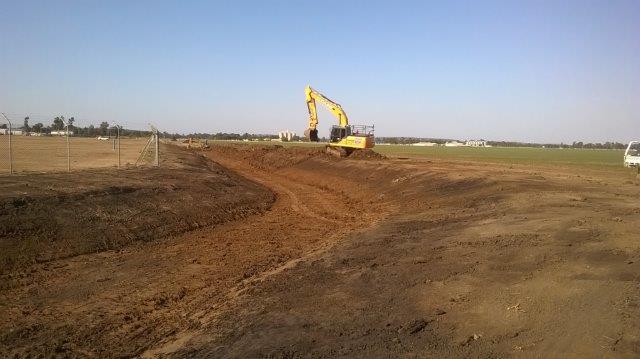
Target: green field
point(512, 155)
point(609, 160)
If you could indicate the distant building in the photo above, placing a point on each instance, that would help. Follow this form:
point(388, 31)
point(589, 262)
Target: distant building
point(286, 135)
point(61, 133)
point(425, 144)
point(4, 131)
point(454, 144)
point(476, 143)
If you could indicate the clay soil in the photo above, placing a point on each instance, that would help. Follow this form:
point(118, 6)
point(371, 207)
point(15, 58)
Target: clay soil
point(250, 251)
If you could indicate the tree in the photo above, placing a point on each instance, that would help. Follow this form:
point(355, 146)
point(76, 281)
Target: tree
point(70, 121)
point(25, 126)
point(58, 123)
point(104, 126)
point(37, 127)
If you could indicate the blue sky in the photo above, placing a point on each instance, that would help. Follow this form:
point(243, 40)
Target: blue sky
point(546, 71)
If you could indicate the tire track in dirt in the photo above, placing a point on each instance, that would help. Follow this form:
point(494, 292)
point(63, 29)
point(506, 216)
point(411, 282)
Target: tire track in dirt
point(480, 265)
point(158, 294)
point(288, 193)
point(315, 275)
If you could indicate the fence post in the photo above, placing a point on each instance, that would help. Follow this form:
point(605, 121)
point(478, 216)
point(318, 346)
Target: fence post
point(118, 127)
point(10, 148)
point(154, 130)
point(157, 150)
point(68, 150)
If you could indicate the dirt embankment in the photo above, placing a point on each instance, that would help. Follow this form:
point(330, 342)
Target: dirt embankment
point(273, 157)
point(50, 216)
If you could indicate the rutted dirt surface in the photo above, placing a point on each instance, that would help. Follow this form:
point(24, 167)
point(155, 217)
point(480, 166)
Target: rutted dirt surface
point(361, 258)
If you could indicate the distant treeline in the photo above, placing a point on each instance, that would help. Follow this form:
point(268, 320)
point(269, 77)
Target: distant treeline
point(410, 140)
point(602, 146)
point(222, 136)
point(441, 141)
point(60, 124)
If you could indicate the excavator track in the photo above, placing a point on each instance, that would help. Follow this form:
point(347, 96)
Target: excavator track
point(339, 152)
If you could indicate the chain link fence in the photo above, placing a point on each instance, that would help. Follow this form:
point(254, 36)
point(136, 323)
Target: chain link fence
point(28, 145)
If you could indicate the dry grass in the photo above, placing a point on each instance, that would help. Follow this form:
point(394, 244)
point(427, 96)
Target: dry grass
point(49, 154)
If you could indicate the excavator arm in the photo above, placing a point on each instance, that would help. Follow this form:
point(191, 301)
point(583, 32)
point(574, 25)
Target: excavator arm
point(312, 96)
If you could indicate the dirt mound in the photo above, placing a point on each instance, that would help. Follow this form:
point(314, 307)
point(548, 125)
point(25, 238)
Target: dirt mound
point(50, 216)
point(367, 155)
point(269, 156)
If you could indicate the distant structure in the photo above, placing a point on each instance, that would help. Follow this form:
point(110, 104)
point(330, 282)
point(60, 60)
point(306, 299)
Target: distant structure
point(424, 144)
point(286, 135)
point(61, 133)
point(454, 144)
point(476, 143)
point(4, 131)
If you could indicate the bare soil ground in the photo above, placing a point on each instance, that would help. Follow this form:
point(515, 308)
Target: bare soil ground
point(355, 258)
point(49, 154)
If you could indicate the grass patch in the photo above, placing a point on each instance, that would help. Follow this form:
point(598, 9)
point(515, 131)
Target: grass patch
point(604, 159)
point(608, 160)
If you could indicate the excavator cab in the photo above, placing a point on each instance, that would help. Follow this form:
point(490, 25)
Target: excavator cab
point(339, 132)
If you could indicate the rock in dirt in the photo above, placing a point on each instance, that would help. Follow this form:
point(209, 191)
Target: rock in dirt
point(416, 326)
point(470, 339)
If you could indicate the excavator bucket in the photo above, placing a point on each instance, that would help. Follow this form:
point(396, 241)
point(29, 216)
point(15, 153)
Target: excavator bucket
point(311, 135)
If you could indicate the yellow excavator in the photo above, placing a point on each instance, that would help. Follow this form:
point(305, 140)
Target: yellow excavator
point(344, 138)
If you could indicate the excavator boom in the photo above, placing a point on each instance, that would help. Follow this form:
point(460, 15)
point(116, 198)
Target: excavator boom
point(312, 96)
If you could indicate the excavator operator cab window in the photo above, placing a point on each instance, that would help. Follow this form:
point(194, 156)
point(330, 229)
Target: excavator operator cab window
point(338, 133)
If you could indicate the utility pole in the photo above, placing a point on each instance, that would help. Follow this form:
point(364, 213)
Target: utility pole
point(10, 148)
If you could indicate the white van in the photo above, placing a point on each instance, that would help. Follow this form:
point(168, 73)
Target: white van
point(632, 155)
